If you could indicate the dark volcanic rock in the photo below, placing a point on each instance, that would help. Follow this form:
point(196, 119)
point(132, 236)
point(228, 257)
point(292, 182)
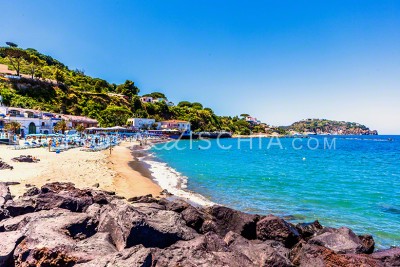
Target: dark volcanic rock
point(5, 166)
point(63, 196)
point(5, 194)
point(308, 230)
point(143, 199)
point(146, 226)
point(118, 218)
point(205, 250)
point(60, 225)
point(388, 257)
point(267, 253)
point(222, 220)
point(342, 240)
point(4, 214)
point(33, 191)
point(368, 243)
point(20, 206)
point(9, 240)
point(134, 256)
point(176, 205)
point(46, 257)
point(275, 228)
point(28, 158)
point(317, 256)
point(193, 218)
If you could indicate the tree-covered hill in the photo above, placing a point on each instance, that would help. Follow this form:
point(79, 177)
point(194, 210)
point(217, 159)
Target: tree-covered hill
point(320, 126)
point(49, 85)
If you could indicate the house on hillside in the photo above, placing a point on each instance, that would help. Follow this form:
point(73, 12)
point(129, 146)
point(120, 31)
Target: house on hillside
point(141, 123)
point(252, 120)
point(146, 99)
point(176, 124)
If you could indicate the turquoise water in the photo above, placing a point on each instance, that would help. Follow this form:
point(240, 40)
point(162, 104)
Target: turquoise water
point(357, 184)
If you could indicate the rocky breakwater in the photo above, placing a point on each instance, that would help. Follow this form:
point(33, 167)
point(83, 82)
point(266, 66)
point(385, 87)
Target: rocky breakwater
point(60, 225)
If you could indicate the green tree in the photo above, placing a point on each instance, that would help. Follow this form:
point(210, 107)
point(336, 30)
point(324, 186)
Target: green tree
point(156, 95)
point(128, 88)
point(15, 56)
point(11, 44)
point(61, 126)
point(184, 104)
point(80, 128)
point(197, 105)
point(136, 103)
point(59, 76)
point(34, 64)
point(12, 126)
point(114, 115)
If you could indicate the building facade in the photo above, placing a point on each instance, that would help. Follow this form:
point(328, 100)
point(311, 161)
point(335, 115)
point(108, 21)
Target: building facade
point(176, 125)
point(38, 122)
point(141, 123)
point(73, 121)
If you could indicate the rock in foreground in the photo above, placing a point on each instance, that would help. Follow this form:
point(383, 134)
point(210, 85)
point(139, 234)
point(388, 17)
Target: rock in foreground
point(60, 225)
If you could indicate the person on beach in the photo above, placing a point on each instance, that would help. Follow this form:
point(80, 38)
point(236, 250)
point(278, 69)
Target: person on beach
point(50, 143)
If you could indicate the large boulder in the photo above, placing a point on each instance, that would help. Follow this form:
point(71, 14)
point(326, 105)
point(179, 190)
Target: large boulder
point(204, 250)
point(118, 218)
point(308, 230)
point(57, 230)
point(342, 240)
point(317, 256)
point(274, 228)
point(389, 257)
point(8, 243)
point(193, 218)
point(176, 205)
point(5, 194)
point(20, 206)
point(134, 256)
point(4, 214)
point(148, 226)
point(221, 220)
point(368, 243)
point(45, 257)
point(261, 253)
point(23, 158)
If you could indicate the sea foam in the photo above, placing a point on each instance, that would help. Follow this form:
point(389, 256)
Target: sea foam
point(173, 181)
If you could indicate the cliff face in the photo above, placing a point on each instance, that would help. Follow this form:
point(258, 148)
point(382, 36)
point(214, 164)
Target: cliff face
point(322, 126)
point(59, 225)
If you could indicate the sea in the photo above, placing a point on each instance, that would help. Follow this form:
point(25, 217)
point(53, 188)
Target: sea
point(351, 181)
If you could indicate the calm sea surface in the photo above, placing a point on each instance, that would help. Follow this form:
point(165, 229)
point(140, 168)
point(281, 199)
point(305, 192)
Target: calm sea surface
point(355, 184)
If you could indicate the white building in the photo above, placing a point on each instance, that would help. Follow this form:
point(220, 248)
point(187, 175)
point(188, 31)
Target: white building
point(252, 120)
point(141, 123)
point(146, 99)
point(38, 122)
point(176, 125)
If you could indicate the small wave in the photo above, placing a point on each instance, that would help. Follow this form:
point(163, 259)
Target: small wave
point(176, 183)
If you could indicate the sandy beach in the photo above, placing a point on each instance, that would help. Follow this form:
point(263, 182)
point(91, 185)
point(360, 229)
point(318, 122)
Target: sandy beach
point(120, 172)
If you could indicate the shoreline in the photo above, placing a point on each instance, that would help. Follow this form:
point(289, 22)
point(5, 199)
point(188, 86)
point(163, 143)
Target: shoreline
point(132, 178)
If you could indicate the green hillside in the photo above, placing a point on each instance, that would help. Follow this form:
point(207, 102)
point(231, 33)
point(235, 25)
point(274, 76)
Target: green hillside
point(49, 85)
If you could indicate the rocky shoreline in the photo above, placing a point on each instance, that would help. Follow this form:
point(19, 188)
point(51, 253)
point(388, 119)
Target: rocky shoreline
point(60, 225)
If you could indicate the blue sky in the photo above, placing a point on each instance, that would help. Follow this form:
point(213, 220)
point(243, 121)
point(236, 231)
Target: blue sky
point(280, 61)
